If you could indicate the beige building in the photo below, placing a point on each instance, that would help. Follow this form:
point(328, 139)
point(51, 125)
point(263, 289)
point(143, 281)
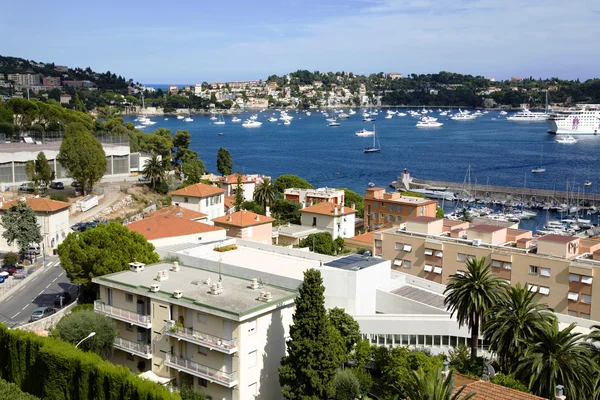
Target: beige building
point(392, 209)
point(201, 197)
point(559, 269)
point(247, 225)
point(223, 333)
point(335, 219)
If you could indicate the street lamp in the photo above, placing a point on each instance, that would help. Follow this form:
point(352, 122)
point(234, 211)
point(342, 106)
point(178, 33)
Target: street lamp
point(87, 337)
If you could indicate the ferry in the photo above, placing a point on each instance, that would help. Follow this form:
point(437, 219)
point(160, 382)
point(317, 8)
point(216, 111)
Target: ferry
point(582, 120)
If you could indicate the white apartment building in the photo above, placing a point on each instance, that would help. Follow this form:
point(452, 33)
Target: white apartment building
point(249, 182)
point(25, 80)
point(201, 197)
point(335, 219)
point(313, 196)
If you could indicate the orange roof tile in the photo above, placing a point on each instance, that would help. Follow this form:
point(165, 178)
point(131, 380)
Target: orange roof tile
point(243, 219)
point(365, 238)
point(229, 201)
point(39, 204)
point(163, 226)
point(491, 391)
point(232, 178)
point(327, 208)
point(197, 190)
point(176, 210)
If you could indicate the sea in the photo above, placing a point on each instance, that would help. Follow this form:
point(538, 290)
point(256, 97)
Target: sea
point(499, 152)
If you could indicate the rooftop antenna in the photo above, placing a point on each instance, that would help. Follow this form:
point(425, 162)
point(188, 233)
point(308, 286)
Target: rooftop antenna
point(220, 259)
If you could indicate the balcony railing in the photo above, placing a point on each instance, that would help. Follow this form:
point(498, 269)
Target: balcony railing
point(140, 349)
point(201, 339)
point(123, 315)
point(202, 371)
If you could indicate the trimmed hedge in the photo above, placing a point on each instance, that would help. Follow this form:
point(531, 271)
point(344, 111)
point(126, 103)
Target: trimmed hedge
point(54, 370)
point(11, 391)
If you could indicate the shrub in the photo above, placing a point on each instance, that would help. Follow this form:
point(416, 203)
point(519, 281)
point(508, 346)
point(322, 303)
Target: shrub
point(11, 391)
point(82, 307)
point(11, 258)
point(461, 361)
point(347, 386)
point(76, 326)
point(59, 197)
point(364, 379)
point(509, 381)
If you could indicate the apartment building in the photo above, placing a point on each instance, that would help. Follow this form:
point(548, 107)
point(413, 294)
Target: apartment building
point(249, 181)
point(330, 217)
point(25, 80)
point(201, 197)
point(224, 333)
point(247, 225)
point(313, 196)
point(392, 209)
point(559, 269)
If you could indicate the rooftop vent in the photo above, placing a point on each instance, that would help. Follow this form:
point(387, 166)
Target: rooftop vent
point(254, 284)
point(265, 297)
point(154, 288)
point(476, 242)
point(136, 266)
point(162, 275)
point(207, 281)
point(216, 288)
point(257, 217)
point(175, 267)
point(177, 294)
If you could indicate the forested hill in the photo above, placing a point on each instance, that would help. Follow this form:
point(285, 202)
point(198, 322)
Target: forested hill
point(104, 80)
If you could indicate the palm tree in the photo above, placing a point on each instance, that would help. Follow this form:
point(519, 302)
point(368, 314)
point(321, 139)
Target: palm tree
point(558, 357)
point(513, 320)
point(264, 193)
point(594, 343)
point(471, 294)
point(155, 169)
point(433, 386)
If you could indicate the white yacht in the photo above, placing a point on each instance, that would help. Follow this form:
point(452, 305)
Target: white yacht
point(503, 113)
point(428, 122)
point(401, 114)
point(272, 119)
point(221, 121)
point(333, 123)
point(365, 132)
point(462, 116)
point(251, 124)
point(351, 112)
point(389, 116)
point(528, 116)
point(236, 119)
point(253, 117)
point(287, 122)
point(583, 120)
point(180, 117)
point(567, 140)
point(188, 119)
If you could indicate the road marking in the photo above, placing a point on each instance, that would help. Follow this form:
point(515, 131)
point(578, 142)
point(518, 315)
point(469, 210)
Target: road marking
point(13, 317)
point(24, 307)
point(9, 298)
point(61, 274)
point(33, 279)
point(54, 280)
point(21, 288)
point(40, 293)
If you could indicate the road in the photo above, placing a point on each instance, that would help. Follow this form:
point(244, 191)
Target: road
point(36, 291)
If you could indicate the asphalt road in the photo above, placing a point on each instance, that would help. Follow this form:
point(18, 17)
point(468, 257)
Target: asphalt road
point(37, 291)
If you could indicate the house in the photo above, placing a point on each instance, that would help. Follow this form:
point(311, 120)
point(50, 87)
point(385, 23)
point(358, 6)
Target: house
point(52, 217)
point(364, 241)
point(291, 234)
point(247, 225)
point(335, 219)
point(173, 89)
point(176, 210)
point(394, 75)
point(391, 209)
point(313, 196)
point(249, 182)
point(201, 197)
point(485, 390)
point(65, 98)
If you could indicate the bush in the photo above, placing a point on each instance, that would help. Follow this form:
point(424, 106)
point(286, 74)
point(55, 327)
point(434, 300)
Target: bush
point(362, 250)
point(59, 197)
point(11, 258)
point(52, 369)
point(162, 187)
point(364, 379)
point(11, 391)
point(74, 327)
point(322, 243)
point(461, 361)
point(509, 381)
point(347, 386)
point(82, 307)
point(412, 194)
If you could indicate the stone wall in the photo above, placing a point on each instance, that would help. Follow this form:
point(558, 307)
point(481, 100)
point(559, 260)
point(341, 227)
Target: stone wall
point(47, 324)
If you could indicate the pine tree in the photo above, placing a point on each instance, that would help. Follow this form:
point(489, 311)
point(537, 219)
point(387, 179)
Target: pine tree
point(239, 192)
point(315, 348)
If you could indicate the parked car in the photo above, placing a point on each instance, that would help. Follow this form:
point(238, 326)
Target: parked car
point(75, 184)
point(3, 276)
point(26, 187)
point(64, 296)
point(12, 269)
point(57, 185)
point(41, 312)
point(34, 249)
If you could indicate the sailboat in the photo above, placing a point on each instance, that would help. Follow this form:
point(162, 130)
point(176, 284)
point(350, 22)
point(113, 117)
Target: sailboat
point(541, 168)
point(220, 121)
point(375, 148)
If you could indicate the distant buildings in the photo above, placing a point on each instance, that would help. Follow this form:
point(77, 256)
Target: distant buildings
point(249, 182)
point(25, 80)
point(394, 75)
point(79, 84)
point(65, 98)
point(51, 81)
point(314, 196)
point(173, 89)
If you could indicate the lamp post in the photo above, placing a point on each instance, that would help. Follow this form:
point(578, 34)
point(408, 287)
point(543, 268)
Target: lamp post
point(87, 337)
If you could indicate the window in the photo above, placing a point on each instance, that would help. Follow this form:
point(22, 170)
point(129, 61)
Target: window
point(407, 264)
point(202, 382)
point(252, 358)
point(252, 390)
point(314, 221)
point(207, 202)
point(461, 257)
point(399, 208)
point(586, 279)
point(573, 278)
point(399, 246)
point(391, 218)
point(202, 318)
point(437, 270)
point(496, 263)
point(532, 288)
point(375, 205)
point(375, 216)
point(428, 268)
point(544, 290)
point(186, 200)
point(507, 265)
point(397, 262)
point(129, 297)
point(533, 270)
point(470, 257)
point(573, 296)
point(439, 253)
point(252, 326)
point(545, 272)
point(429, 340)
point(130, 357)
point(202, 352)
point(378, 243)
point(586, 298)
point(572, 313)
point(391, 207)
point(399, 218)
point(407, 248)
point(129, 327)
point(410, 210)
point(437, 340)
point(421, 211)
point(445, 340)
point(428, 252)
point(585, 316)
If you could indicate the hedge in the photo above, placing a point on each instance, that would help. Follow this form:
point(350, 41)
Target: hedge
point(11, 391)
point(54, 370)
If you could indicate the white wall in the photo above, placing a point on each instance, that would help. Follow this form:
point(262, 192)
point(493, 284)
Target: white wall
point(337, 225)
point(200, 204)
point(52, 226)
point(193, 238)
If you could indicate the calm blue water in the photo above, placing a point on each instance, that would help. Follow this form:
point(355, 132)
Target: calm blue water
point(498, 150)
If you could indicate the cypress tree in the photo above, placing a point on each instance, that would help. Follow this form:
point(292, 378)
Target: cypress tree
point(315, 348)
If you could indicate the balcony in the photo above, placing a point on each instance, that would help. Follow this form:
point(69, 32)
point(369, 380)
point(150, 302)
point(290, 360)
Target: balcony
point(123, 315)
point(139, 349)
point(201, 339)
point(202, 371)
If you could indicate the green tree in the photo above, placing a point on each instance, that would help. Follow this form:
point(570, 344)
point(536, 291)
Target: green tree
point(321, 243)
point(461, 361)
point(433, 386)
point(353, 198)
point(82, 155)
point(265, 193)
point(76, 326)
point(291, 181)
point(315, 349)
point(558, 357)
point(155, 170)
point(439, 212)
point(224, 162)
point(511, 322)
point(347, 386)
point(20, 226)
point(39, 170)
point(238, 192)
point(466, 216)
point(78, 104)
point(254, 207)
point(6, 114)
point(156, 142)
point(509, 381)
point(10, 258)
point(182, 141)
point(471, 294)
point(346, 326)
point(191, 167)
point(103, 250)
point(286, 211)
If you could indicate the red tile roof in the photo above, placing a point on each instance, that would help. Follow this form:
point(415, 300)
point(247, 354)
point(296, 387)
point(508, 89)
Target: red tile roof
point(232, 178)
point(486, 228)
point(365, 239)
point(164, 226)
point(327, 208)
point(197, 190)
point(491, 391)
point(176, 210)
point(39, 204)
point(229, 201)
point(557, 238)
point(243, 219)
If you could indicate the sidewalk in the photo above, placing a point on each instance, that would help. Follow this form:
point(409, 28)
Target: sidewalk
point(111, 196)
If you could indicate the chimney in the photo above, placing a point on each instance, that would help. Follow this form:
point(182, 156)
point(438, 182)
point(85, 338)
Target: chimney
point(560, 393)
point(257, 217)
point(229, 218)
point(335, 210)
point(175, 267)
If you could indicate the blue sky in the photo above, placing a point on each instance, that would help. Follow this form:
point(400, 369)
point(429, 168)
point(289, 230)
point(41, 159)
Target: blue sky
point(194, 41)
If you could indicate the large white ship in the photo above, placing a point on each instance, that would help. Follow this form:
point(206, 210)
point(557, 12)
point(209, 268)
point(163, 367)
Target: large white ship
point(528, 116)
point(582, 120)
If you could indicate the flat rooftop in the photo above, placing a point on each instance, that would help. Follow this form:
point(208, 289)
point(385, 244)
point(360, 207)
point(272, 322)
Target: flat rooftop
point(18, 147)
point(296, 230)
point(237, 297)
